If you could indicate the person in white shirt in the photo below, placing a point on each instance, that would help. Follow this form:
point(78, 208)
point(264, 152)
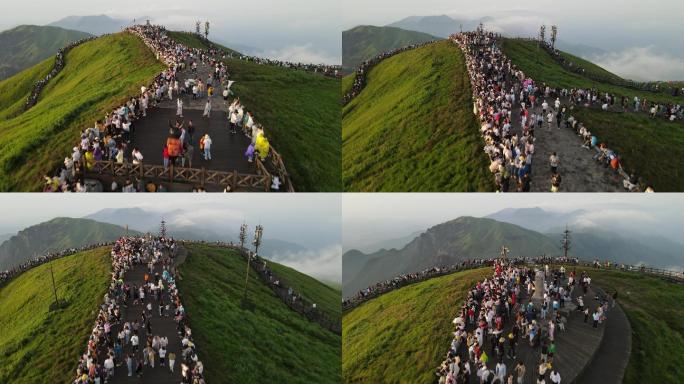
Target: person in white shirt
point(555, 377)
point(137, 156)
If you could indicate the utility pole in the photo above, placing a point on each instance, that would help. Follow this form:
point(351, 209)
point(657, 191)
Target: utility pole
point(504, 252)
point(565, 242)
point(197, 28)
point(162, 229)
point(243, 235)
point(554, 33)
point(258, 231)
point(542, 34)
point(206, 29)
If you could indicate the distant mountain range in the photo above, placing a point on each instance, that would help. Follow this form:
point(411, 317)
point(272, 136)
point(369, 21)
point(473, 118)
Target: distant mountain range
point(94, 25)
point(444, 25)
point(56, 234)
point(448, 243)
point(439, 25)
point(149, 221)
point(366, 41)
point(519, 230)
point(28, 45)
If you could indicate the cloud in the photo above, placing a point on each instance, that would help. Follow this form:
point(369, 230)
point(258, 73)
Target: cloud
point(620, 219)
point(301, 53)
point(642, 64)
point(324, 264)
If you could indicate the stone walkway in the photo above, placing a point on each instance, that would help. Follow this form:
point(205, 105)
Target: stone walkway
point(161, 326)
point(575, 347)
point(610, 361)
point(227, 151)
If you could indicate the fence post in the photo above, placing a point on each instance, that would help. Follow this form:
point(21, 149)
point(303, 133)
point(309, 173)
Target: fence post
point(235, 179)
point(171, 172)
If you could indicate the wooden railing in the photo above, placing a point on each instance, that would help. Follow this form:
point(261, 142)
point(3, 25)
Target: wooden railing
point(173, 174)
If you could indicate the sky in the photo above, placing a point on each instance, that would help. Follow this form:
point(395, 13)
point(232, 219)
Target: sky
point(305, 30)
point(312, 220)
point(643, 39)
point(371, 218)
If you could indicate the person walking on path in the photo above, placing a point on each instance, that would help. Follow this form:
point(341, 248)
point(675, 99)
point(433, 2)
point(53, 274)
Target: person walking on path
point(207, 109)
point(179, 107)
point(554, 162)
point(172, 361)
point(207, 147)
point(520, 372)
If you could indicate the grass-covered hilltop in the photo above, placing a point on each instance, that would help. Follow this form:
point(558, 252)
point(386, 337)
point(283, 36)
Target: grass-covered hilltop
point(645, 145)
point(37, 345)
point(299, 110)
point(99, 75)
point(269, 342)
point(366, 41)
point(264, 341)
point(27, 45)
point(412, 128)
point(402, 336)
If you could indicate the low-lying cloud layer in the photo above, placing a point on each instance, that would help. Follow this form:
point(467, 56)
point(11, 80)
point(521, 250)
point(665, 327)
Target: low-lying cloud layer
point(305, 53)
point(324, 264)
point(642, 64)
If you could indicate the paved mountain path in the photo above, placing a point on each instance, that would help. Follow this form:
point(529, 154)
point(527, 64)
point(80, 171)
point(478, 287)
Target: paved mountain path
point(579, 171)
point(227, 150)
point(161, 326)
point(575, 346)
point(610, 362)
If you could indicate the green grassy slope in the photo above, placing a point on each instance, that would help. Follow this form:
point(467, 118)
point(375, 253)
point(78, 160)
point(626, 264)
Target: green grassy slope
point(347, 83)
point(594, 70)
point(401, 336)
point(366, 41)
point(270, 343)
point(412, 127)
point(14, 91)
point(650, 147)
point(190, 39)
point(300, 113)
point(327, 298)
point(27, 45)
point(98, 76)
point(38, 346)
point(655, 311)
point(539, 65)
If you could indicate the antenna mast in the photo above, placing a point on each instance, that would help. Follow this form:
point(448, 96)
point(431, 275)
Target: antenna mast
point(565, 242)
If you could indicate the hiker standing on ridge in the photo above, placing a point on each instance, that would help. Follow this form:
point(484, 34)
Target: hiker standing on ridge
point(207, 109)
point(179, 107)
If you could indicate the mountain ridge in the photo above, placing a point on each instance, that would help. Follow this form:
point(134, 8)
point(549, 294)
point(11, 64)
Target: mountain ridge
point(27, 45)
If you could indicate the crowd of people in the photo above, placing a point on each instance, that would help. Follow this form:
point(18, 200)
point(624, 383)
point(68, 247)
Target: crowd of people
point(135, 346)
point(110, 138)
point(497, 84)
point(324, 69)
point(379, 288)
point(567, 63)
point(499, 88)
point(32, 98)
point(8, 274)
point(494, 325)
point(366, 66)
